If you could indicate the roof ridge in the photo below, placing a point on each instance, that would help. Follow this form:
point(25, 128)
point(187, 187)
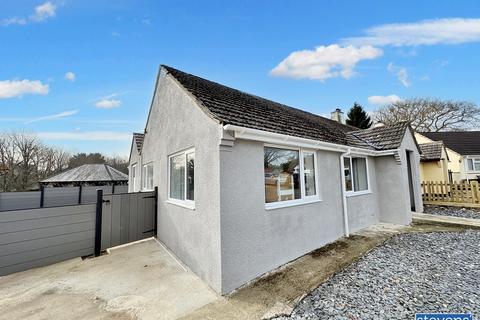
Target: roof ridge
point(108, 171)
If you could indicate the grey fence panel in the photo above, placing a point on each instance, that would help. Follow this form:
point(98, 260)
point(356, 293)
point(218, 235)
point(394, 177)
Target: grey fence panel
point(64, 196)
point(19, 200)
point(37, 237)
point(127, 217)
point(89, 194)
point(121, 189)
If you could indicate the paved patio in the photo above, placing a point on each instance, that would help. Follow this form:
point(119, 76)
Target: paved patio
point(139, 281)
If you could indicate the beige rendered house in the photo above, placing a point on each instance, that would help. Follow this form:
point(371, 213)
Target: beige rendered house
point(463, 151)
point(433, 161)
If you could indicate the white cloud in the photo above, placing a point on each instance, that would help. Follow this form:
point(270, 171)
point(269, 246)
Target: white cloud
point(17, 88)
point(108, 103)
point(44, 11)
point(41, 13)
point(383, 100)
point(70, 76)
point(401, 73)
point(86, 136)
point(425, 32)
point(57, 116)
point(325, 62)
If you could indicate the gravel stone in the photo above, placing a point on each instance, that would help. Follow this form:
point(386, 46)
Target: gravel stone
point(452, 211)
point(408, 274)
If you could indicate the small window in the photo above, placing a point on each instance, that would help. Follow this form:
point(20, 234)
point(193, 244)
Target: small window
point(356, 174)
point(182, 176)
point(289, 175)
point(473, 164)
point(147, 177)
point(133, 176)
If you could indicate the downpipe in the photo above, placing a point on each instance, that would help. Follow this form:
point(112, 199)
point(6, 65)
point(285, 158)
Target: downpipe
point(344, 192)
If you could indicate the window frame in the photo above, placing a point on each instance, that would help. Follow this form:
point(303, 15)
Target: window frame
point(144, 175)
point(189, 204)
point(475, 160)
point(353, 192)
point(133, 176)
point(304, 199)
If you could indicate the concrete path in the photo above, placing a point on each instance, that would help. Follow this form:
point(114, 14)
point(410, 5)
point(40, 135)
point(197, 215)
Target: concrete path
point(139, 281)
point(425, 218)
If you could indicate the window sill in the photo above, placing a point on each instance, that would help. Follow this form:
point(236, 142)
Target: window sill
point(181, 204)
point(359, 193)
point(291, 203)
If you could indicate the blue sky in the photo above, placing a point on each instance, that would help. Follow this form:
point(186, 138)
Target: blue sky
point(80, 74)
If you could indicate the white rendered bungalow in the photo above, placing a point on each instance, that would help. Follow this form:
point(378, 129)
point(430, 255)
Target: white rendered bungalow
point(246, 184)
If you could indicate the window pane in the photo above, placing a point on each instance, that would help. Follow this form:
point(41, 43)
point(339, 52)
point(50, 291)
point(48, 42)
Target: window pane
point(476, 164)
point(150, 177)
point(348, 174)
point(177, 177)
point(470, 164)
point(190, 176)
point(282, 175)
point(360, 174)
point(309, 173)
point(144, 177)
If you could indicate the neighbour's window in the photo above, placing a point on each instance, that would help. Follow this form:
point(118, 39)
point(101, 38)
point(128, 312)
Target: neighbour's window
point(182, 175)
point(133, 175)
point(356, 174)
point(289, 174)
point(473, 164)
point(147, 174)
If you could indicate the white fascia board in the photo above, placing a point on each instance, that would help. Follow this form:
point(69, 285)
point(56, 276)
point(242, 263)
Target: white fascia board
point(282, 139)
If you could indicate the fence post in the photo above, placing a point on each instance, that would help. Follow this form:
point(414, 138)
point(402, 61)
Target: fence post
point(98, 223)
point(156, 209)
point(113, 188)
point(80, 194)
point(42, 195)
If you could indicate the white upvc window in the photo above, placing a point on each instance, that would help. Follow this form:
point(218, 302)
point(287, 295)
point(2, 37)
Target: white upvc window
point(473, 164)
point(290, 176)
point(181, 178)
point(355, 174)
point(147, 177)
point(133, 177)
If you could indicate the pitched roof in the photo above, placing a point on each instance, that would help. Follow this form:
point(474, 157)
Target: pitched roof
point(231, 106)
point(382, 138)
point(462, 142)
point(89, 173)
point(431, 151)
point(138, 140)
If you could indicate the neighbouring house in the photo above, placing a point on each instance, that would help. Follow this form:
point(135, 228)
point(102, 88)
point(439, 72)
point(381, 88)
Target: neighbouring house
point(87, 175)
point(433, 162)
point(463, 150)
point(246, 184)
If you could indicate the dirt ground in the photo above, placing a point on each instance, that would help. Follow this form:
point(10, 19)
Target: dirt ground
point(140, 281)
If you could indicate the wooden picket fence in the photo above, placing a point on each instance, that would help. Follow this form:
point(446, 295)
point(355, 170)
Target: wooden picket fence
point(461, 194)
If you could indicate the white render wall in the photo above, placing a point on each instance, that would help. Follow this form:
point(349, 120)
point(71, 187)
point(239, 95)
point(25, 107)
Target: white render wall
point(176, 123)
point(256, 240)
point(134, 159)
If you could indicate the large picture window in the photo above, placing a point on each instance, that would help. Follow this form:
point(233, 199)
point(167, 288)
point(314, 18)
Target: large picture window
point(290, 175)
point(182, 177)
point(147, 177)
point(356, 174)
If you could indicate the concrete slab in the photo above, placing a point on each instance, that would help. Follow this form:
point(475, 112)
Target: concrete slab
point(422, 217)
point(140, 281)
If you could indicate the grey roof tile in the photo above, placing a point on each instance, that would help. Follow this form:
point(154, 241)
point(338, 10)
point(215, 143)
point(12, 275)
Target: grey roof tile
point(462, 142)
point(431, 151)
point(89, 173)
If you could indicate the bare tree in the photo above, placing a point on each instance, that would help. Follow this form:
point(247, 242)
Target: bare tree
point(427, 114)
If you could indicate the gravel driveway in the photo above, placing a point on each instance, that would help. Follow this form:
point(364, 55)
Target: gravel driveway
point(452, 211)
point(416, 272)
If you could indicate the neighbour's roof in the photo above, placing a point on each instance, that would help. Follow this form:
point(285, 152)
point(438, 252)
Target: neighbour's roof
point(231, 106)
point(462, 142)
point(138, 140)
point(89, 173)
point(431, 151)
